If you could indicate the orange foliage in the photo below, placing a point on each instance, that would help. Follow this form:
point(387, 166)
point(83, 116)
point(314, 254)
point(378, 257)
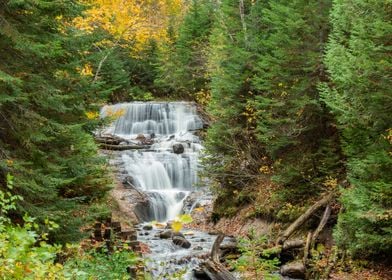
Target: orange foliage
point(131, 21)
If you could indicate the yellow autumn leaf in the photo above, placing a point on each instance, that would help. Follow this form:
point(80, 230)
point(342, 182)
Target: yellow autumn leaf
point(176, 226)
point(92, 115)
point(199, 209)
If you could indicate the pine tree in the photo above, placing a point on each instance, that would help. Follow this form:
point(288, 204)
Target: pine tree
point(292, 123)
point(183, 67)
point(358, 59)
point(46, 86)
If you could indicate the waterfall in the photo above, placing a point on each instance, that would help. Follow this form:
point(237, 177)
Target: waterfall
point(164, 176)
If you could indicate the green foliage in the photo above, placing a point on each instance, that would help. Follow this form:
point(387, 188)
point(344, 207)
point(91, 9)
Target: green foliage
point(256, 260)
point(46, 90)
point(292, 123)
point(182, 68)
point(24, 254)
point(98, 265)
point(358, 61)
point(230, 140)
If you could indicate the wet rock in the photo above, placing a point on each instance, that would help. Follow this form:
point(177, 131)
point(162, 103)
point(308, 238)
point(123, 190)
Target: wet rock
point(182, 242)
point(169, 234)
point(140, 137)
point(178, 234)
point(166, 234)
point(178, 148)
point(147, 227)
point(293, 270)
point(180, 195)
point(128, 181)
point(198, 248)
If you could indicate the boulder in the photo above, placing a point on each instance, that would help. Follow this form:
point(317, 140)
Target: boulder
point(182, 242)
point(178, 148)
point(166, 234)
point(169, 234)
point(293, 270)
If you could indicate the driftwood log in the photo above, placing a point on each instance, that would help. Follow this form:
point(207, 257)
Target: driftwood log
point(111, 140)
point(122, 147)
point(303, 218)
point(212, 267)
point(323, 222)
point(307, 248)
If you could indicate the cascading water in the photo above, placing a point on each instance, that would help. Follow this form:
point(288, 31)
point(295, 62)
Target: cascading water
point(165, 170)
point(166, 177)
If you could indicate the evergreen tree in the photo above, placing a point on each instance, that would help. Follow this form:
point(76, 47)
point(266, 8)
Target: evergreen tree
point(235, 153)
point(45, 91)
point(358, 59)
point(292, 123)
point(183, 61)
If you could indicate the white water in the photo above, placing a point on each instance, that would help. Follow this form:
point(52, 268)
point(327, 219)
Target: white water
point(166, 177)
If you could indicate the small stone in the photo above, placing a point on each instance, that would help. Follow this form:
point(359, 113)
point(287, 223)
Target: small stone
point(178, 148)
point(147, 227)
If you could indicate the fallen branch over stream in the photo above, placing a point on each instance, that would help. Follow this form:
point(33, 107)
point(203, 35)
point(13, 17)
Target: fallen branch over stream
point(122, 147)
point(213, 267)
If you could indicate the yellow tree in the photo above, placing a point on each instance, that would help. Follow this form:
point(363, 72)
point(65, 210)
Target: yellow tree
point(131, 23)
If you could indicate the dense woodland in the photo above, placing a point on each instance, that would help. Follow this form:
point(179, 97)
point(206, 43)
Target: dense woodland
point(297, 94)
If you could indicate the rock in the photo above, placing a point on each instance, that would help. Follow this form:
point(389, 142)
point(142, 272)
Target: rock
point(140, 137)
point(200, 274)
point(180, 195)
point(178, 234)
point(198, 248)
point(182, 242)
point(178, 148)
point(293, 270)
point(166, 234)
point(128, 181)
point(147, 227)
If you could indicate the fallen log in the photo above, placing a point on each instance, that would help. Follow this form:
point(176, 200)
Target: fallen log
point(123, 147)
point(291, 244)
point(212, 267)
point(323, 222)
point(307, 248)
point(303, 218)
point(216, 271)
point(109, 140)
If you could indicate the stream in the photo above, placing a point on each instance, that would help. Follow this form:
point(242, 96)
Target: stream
point(166, 172)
